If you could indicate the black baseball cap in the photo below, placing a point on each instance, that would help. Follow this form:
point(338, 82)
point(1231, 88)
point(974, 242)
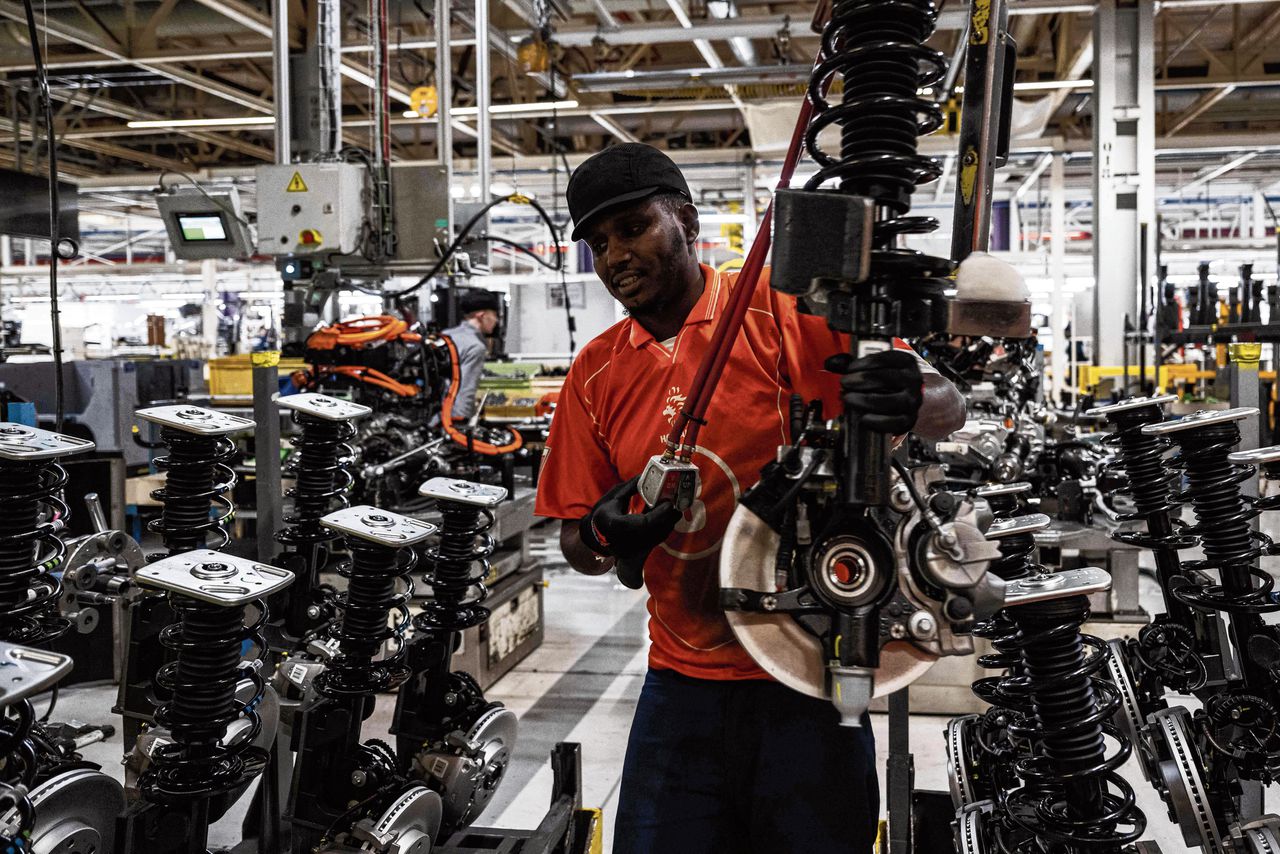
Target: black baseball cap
point(621, 173)
point(478, 299)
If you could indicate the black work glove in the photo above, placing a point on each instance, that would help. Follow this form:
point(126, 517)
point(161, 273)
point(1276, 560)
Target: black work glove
point(884, 389)
point(611, 529)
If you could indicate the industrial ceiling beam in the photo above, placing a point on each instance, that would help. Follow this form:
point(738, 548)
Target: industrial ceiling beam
point(67, 32)
point(614, 128)
point(1215, 172)
point(1197, 108)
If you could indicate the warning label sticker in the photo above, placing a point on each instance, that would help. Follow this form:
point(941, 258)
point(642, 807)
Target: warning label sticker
point(296, 184)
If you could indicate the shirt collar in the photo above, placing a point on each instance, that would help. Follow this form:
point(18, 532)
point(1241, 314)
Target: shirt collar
point(715, 292)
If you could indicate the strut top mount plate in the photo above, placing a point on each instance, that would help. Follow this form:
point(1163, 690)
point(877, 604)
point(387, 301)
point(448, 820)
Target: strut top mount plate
point(994, 490)
point(214, 577)
point(1203, 418)
point(26, 671)
point(1132, 403)
point(463, 491)
point(196, 419)
point(1028, 524)
point(323, 406)
point(1055, 585)
point(1258, 456)
point(20, 442)
point(378, 526)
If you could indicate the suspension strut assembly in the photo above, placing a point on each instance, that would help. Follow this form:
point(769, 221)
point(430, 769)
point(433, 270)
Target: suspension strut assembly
point(321, 471)
point(981, 749)
point(447, 734)
point(1203, 756)
point(334, 769)
point(872, 289)
point(1183, 648)
point(194, 513)
point(31, 514)
point(1056, 721)
point(199, 762)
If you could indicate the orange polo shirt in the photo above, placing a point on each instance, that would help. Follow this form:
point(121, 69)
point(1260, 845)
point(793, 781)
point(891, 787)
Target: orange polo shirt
point(618, 404)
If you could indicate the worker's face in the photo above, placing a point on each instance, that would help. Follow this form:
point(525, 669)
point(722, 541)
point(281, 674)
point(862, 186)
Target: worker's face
point(488, 320)
point(642, 254)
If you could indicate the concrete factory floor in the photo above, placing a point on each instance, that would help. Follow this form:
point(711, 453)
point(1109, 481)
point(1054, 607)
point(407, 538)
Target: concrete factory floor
point(581, 685)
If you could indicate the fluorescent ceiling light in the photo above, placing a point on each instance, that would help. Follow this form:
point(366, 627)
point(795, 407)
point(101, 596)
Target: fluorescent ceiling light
point(504, 109)
point(236, 121)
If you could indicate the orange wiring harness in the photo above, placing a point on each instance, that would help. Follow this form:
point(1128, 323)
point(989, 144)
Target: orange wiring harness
point(361, 332)
point(446, 414)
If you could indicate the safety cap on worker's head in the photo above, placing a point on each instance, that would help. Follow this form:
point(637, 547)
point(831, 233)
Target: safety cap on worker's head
point(621, 173)
point(478, 299)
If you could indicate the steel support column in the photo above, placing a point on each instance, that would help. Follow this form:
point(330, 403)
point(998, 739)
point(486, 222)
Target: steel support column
point(1123, 167)
point(280, 77)
point(444, 101)
point(484, 128)
point(1058, 314)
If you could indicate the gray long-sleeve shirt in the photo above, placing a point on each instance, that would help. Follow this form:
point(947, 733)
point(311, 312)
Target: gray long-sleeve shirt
point(471, 355)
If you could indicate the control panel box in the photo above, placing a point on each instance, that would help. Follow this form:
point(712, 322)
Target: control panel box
point(310, 208)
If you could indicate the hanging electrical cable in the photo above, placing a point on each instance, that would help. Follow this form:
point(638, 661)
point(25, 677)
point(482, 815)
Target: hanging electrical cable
point(57, 250)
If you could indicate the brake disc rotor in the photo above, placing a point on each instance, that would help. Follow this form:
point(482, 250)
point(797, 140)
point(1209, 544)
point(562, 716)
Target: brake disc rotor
point(1129, 716)
point(1181, 776)
point(1261, 836)
point(468, 780)
point(779, 644)
point(412, 821)
point(959, 768)
point(970, 838)
point(76, 812)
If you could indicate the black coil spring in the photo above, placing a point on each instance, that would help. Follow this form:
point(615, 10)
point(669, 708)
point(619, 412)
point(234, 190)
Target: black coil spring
point(29, 551)
point(197, 478)
point(878, 48)
point(1165, 647)
point(378, 584)
point(19, 771)
point(1152, 483)
point(1223, 515)
point(1074, 794)
point(322, 477)
point(202, 681)
point(459, 563)
point(1005, 694)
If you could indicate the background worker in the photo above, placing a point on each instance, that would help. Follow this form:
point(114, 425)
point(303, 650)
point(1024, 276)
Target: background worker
point(720, 756)
point(480, 317)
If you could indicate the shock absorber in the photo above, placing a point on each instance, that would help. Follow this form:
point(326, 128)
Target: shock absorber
point(210, 592)
point(31, 514)
point(378, 586)
point(877, 47)
point(1169, 651)
point(1205, 441)
point(453, 739)
point(1240, 721)
point(194, 513)
point(194, 506)
point(459, 561)
point(321, 471)
point(334, 769)
point(28, 672)
point(985, 747)
point(1073, 799)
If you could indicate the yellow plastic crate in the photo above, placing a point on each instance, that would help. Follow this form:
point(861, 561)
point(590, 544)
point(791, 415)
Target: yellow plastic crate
point(232, 376)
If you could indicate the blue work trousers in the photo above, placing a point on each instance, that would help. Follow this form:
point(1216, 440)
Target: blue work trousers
point(743, 767)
